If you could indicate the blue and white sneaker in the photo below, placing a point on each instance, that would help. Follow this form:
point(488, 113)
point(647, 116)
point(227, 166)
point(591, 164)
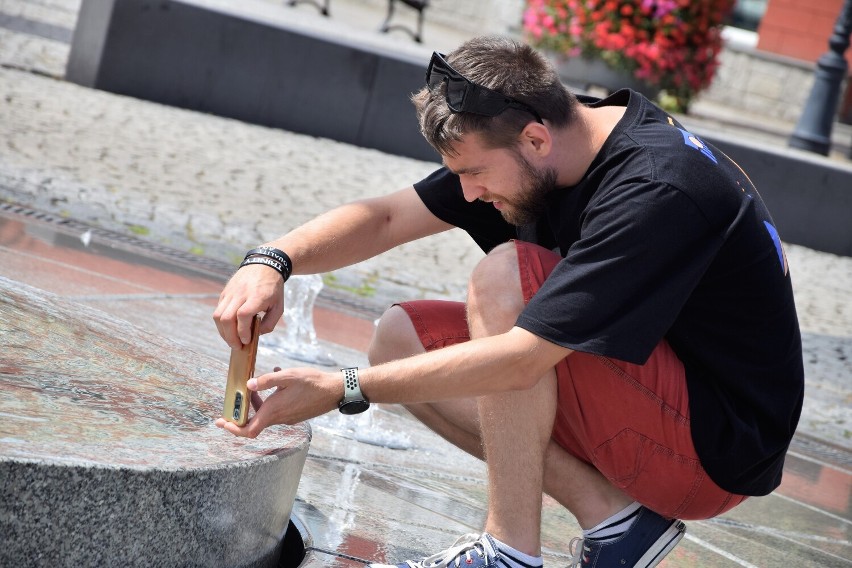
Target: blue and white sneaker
point(469, 551)
point(643, 545)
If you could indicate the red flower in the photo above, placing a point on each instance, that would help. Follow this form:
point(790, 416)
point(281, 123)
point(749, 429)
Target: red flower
point(673, 44)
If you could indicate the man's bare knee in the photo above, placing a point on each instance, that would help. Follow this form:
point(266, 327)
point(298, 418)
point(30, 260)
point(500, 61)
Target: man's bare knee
point(497, 274)
point(394, 338)
point(494, 295)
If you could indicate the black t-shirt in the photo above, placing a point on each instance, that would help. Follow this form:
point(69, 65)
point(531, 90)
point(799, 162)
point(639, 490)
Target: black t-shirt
point(666, 237)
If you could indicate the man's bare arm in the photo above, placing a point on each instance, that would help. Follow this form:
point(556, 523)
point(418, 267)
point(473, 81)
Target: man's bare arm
point(343, 236)
point(514, 360)
point(358, 231)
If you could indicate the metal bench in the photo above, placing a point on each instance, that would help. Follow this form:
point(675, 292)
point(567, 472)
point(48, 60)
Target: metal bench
point(323, 8)
point(419, 5)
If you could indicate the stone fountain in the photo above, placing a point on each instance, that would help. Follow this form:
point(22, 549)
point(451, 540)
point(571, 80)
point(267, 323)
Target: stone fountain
point(109, 455)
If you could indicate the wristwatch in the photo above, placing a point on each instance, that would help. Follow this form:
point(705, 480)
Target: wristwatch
point(353, 400)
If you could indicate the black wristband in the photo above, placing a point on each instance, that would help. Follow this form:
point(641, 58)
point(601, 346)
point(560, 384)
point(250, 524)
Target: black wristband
point(285, 265)
point(267, 261)
point(271, 252)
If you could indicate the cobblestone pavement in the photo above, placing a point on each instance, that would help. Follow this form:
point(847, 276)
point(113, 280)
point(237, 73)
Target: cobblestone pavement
point(216, 187)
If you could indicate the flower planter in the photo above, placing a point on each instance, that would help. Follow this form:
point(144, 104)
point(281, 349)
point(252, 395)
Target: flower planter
point(583, 73)
point(674, 43)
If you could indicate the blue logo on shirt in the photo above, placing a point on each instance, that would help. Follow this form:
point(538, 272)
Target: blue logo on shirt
point(779, 248)
point(695, 142)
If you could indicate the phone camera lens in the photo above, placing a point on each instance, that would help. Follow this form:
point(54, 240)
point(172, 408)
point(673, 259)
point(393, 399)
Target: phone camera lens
point(238, 405)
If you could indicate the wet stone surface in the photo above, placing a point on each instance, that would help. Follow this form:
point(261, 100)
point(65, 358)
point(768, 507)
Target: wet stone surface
point(108, 453)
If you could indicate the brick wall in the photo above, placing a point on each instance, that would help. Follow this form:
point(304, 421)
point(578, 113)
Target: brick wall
point(799, 28)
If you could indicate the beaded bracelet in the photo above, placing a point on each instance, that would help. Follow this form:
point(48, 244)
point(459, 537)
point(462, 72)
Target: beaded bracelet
point(272, 257)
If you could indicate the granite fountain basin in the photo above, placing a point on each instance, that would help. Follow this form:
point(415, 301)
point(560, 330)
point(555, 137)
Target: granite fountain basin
point(109, 455)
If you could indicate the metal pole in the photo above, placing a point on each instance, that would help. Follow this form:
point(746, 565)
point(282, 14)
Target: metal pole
point(813, 131)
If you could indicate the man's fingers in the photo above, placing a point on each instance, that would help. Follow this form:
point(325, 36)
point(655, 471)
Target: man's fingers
point(252, 290)
point(264, 382)
point(225, 318)
point(229, 426)
point(276, 378)
point(233, 318)
point(270, 319)
point(252, 428)
point(245, 317)
point(256, 401)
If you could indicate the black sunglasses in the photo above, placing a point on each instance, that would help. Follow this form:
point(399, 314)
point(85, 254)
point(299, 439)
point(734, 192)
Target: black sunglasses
point(463, 95)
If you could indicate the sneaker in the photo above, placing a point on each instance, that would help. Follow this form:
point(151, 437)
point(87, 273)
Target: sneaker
point(644, 545)
point(469, 551)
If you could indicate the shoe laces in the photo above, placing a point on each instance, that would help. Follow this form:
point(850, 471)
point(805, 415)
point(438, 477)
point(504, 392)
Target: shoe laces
point(464, 547)
point(576, 549)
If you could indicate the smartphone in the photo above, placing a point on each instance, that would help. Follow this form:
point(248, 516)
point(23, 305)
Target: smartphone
point(240, 370)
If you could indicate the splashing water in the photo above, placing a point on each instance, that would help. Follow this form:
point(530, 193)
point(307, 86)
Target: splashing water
point(299, 339)
point(368, 428)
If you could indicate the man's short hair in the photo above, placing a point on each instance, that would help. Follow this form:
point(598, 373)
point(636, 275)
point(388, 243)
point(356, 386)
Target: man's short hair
point(509, 67)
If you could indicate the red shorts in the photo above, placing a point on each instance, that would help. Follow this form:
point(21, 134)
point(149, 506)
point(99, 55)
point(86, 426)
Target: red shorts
point(631, 422)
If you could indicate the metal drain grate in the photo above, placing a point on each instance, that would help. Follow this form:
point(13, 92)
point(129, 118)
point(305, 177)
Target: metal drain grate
point(201, 265)
point(129, 243)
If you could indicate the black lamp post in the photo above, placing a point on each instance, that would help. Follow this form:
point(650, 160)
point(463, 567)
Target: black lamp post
point(813, 131)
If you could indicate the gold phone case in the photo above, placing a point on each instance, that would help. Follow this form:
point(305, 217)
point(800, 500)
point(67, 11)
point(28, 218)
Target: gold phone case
point(240, 370)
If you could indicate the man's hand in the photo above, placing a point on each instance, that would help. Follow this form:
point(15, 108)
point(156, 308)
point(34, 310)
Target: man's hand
point(300, 394)
point(252, 290)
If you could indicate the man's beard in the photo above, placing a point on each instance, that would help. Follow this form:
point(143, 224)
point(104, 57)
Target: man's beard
point(532, 199)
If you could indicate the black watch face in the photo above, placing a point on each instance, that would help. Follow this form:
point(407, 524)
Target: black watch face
point(353, 406)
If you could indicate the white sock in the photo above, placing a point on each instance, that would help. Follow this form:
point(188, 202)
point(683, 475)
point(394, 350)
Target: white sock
point(511, 558)
point(615, 526)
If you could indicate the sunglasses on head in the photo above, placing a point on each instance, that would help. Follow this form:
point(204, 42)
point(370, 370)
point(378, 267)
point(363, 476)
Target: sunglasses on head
point(463, 95)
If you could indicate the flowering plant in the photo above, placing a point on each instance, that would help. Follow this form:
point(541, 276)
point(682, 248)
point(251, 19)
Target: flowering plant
point(670, 44)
